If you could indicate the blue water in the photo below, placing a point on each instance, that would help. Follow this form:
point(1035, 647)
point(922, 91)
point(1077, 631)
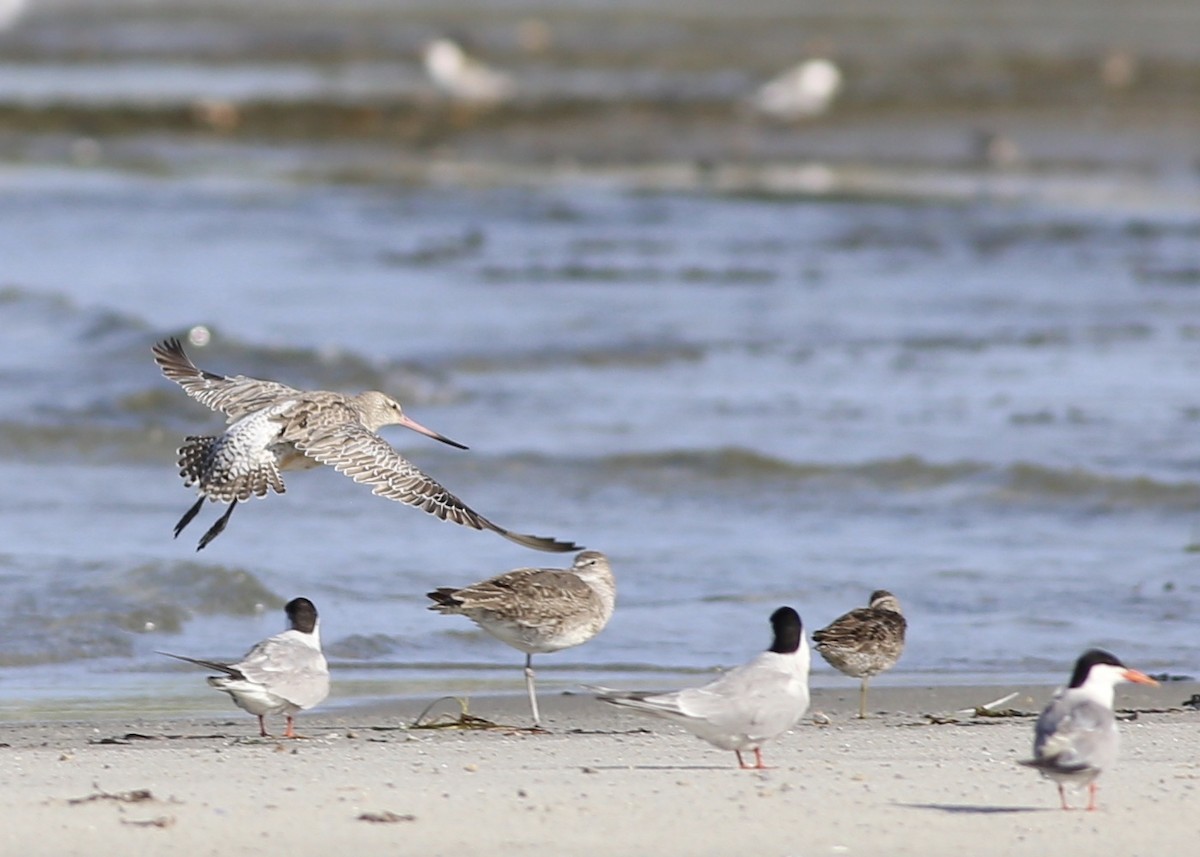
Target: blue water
point(982, 400)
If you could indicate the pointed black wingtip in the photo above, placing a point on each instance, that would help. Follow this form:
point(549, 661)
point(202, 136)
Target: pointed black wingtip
point(542, 543)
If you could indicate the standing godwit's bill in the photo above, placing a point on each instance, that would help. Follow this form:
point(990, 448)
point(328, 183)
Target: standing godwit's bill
point(1076, 736)
point(283, 674)
point(747, 706)
point(273, 428)
point(864, 642)
point(537, 610)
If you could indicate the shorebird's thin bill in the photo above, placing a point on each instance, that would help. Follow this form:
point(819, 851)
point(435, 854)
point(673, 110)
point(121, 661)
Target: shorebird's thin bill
point(409, 422)
point(1138, 677)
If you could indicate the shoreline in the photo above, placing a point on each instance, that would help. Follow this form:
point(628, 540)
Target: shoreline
point(922, 778)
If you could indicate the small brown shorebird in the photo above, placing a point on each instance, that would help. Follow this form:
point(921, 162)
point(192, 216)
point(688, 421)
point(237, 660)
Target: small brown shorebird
point(747, 706)
point(283, 674)
point(1076, 735)
point(538, 610)
point(865, 641)
point(273, 428)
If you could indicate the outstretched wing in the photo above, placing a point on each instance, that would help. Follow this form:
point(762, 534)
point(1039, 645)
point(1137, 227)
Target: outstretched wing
point(235, 396)
point(367, 458)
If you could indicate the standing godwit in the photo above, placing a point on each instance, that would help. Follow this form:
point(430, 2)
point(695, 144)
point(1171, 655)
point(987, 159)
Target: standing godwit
point(864, 642)
point(745, 707)
point(283, 674)
point(273, 427)
point(538, 610)
point(1076, 735)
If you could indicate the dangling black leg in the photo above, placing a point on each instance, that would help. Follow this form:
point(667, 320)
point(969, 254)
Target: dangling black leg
point(217, 528)
point(188, 515)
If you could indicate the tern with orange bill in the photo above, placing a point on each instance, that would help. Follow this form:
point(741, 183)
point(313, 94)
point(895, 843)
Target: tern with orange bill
point(1076, 736)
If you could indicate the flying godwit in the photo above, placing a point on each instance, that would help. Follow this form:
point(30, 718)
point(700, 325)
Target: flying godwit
point(273, 428)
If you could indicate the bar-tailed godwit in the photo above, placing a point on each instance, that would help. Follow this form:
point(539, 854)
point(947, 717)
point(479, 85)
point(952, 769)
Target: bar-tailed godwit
point(273, 428)
point(538, 610)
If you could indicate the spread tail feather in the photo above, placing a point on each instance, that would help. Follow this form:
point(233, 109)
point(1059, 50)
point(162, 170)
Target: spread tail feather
point(212, 665)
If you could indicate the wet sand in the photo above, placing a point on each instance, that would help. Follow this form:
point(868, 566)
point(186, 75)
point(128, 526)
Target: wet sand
point(922, 777)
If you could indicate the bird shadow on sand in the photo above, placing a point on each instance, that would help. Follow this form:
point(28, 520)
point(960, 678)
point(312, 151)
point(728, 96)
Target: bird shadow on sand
point(973, 809)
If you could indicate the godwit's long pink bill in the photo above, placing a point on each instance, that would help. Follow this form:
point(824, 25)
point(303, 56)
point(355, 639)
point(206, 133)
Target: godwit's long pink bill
point(273, 428)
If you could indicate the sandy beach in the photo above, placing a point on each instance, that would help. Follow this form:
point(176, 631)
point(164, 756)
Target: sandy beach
point(922, 777)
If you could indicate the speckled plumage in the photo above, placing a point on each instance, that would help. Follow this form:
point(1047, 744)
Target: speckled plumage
point(273, 428)
point(538, 610)
point(864, 642)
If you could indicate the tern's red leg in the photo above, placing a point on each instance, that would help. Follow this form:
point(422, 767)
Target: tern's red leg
point(759, 764)
point(1091, 797)
point(290, 732)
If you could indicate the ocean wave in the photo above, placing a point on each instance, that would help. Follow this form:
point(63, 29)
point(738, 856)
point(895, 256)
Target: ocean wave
point(99, 618)
point(1014, 482)
point(65, 364)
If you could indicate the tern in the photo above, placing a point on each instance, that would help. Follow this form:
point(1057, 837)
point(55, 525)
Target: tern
point(283, 674)
point(747, 706)
point(1076, 735)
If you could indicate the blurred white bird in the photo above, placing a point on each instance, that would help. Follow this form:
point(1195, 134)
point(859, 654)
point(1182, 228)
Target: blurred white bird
point(464, 78)
point(802, 91)
point(10, 11)
point(1076, 735)
point(283, 674)
point(747, 706)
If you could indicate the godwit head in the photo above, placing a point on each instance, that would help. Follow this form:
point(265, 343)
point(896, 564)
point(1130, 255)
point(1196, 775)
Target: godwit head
point(379, 410)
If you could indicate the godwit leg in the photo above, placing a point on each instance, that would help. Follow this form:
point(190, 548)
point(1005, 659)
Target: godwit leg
point(262, 727)
point(537, 718)
point(217, 528)
point(862, 699)
point(741, 762)
point(188, 515)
